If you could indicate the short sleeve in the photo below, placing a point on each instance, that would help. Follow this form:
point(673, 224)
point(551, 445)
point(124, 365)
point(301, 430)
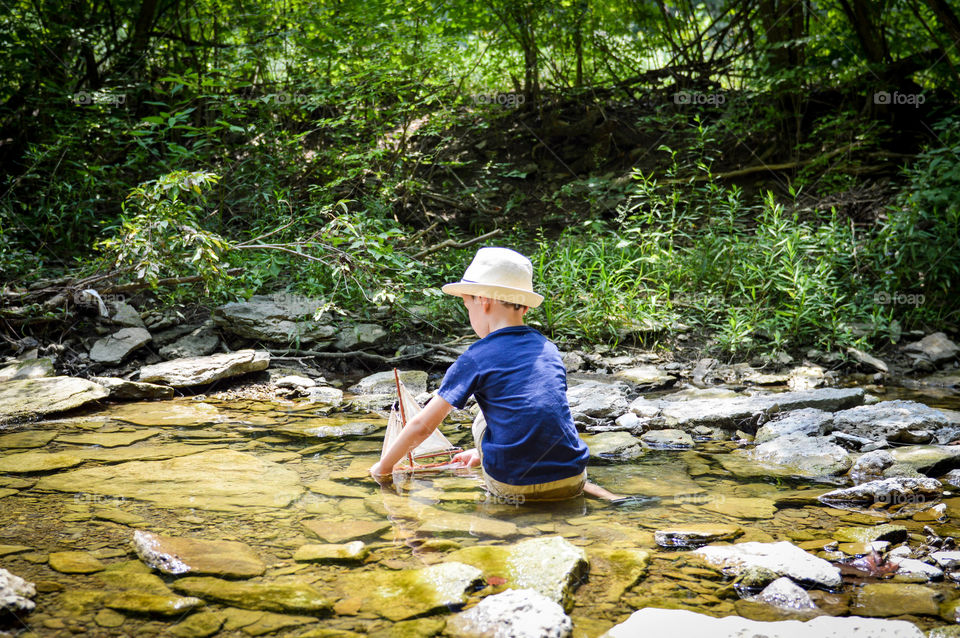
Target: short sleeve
point(459, 381)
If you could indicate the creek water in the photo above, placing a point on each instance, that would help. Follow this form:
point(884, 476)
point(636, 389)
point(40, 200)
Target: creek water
point(260, 473)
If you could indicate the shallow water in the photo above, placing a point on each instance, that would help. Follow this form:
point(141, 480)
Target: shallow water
point(299, 477)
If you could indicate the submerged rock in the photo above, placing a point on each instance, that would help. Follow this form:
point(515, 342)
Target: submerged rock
point(220, 480)
point(523, 613)
point(181, 373)
point(802, 455)
point(696, 534)
point(444, 523)
point(27, 439)
point(895, 599)
point(352, 552)
point(155, 604)
point(550, 565)
point(667, 439)
point(173, 555)
point(608, 447)
point(74, 563)
point(398, 595)
point(278, 597)
point(671, 623)
point(108, 439)
point(328, 428)
point(25, 398)
point(36, 461)
point(168, 413)
point(782, 558)
point(15, 593)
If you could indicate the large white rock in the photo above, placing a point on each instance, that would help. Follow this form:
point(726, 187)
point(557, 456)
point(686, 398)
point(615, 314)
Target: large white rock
point(895, 421)
point(517, 613)
point(674, 623)
point(15, 593)
point(24, 398)
point(279, 318)
point(598, 400)
point(782, 558)
point(182, 373)
point(803, 455)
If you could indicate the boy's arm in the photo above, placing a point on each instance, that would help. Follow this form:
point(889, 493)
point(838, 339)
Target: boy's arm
point(417, 430)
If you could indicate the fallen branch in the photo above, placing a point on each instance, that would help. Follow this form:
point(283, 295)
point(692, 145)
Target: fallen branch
point(169, 281)
point(749, 170)
point(449, 243)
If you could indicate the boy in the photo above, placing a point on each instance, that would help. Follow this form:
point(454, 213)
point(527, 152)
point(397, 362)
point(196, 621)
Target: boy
point(525, 438)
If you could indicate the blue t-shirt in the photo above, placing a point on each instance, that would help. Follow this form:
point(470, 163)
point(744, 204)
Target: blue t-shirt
point(519, 380)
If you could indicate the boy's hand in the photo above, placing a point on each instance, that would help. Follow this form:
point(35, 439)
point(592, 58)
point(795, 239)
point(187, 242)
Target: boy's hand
point(378, 474)
point(468, 458)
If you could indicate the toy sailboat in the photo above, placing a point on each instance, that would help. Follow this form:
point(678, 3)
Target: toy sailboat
point(435, 446)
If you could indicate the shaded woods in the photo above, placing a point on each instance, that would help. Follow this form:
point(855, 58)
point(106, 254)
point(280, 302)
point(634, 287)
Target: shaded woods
point(776, 174)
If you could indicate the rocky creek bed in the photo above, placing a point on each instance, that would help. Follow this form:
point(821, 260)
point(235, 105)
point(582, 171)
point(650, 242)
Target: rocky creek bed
point(782, 502)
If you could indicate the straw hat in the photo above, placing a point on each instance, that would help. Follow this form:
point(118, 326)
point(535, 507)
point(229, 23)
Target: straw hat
point(498, 273)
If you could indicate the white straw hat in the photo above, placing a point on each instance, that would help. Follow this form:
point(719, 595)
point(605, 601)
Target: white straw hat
point(498, 273)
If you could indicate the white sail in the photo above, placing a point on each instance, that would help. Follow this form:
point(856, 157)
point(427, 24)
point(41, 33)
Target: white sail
point(403, 411)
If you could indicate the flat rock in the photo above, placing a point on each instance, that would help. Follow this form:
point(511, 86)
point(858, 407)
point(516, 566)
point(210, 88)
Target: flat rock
point(182, 373)
point(361, 334)
point(670, 623)
point(398, 595)
point(782, 558)
point(25, 398)
point(807, 421)
point(597, 399)
point(220, 480)
point(328, 487)
point(27, 439)
point(278, 318)
point(74, 563)
point(646, 377)
point(667, 439)
point(333, 531)
point(696, 534)
point(108, 439)
point(729, 412)
point(137, 602)
point(743, 507)
point(133, 390)
point(352, 552)
point(36, 461)
point(384, 383)
point(15, 593)
point(518, 613)
point(884, 532)
point(801, 455)
point(927, 458)
point(549, 565)
point(28, 369)
point(613, 571)
point(277, 597)
point(177, 555)
point(895, 599)
point(897, 421)
point(115, 348)
point(326, 395)
point(444, 523)
point(608, 447)
point(169, 413)
point(199, 625)
point(330, 428)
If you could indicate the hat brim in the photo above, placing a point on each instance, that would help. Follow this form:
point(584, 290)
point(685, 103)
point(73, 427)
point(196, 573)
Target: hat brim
point(503, 293)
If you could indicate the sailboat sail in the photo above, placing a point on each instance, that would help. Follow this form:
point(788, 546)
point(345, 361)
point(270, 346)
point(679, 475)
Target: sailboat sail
point(405, 409)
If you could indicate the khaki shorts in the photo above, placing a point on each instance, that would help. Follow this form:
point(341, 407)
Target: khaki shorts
point(559, 490)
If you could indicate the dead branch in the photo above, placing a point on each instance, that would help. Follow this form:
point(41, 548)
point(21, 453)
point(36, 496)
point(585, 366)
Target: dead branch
point(449, 243)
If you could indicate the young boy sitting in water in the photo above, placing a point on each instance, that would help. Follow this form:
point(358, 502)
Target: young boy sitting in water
point(526, 440)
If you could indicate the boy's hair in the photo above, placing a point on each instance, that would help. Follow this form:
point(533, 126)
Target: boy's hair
point(515, 306)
